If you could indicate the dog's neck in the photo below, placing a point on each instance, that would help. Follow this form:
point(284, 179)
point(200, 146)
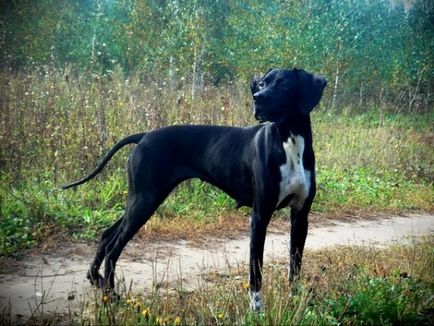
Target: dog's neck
point(297, 126)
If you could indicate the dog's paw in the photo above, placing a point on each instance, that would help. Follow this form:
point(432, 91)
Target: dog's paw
point(256, 301)
point(94, 278)
point(98, 281)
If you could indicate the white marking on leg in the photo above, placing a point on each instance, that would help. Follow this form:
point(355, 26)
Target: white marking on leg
point(256, 301)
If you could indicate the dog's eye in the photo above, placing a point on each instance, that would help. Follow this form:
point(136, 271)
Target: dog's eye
point(261, 84)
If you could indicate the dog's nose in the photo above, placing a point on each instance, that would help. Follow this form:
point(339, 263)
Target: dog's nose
point(321, 80)
point(258, 97)
point(324, 82)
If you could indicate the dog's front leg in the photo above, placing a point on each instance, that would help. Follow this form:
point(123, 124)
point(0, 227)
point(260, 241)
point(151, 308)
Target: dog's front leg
point(258, 230)
point(299, 226)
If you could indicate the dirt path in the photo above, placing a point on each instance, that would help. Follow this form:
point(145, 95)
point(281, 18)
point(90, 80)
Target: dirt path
point(44, 282)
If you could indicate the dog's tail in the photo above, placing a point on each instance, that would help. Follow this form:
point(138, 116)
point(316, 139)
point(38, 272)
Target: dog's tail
point(132, 139)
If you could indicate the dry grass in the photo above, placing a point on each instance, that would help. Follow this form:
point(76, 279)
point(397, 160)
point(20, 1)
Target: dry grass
point(64, 124)
point(224, 226)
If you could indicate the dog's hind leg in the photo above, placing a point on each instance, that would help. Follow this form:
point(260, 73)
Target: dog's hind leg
point(107, 236)
point(139, 209)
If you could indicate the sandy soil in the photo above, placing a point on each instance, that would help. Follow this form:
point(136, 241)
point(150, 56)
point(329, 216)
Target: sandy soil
point(55, 281)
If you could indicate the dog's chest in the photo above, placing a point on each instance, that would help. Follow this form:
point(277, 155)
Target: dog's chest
point(295, 179)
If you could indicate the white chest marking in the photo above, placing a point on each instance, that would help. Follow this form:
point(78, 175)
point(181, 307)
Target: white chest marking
point(295, 179)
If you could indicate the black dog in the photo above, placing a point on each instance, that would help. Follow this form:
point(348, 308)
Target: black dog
point(266, 167)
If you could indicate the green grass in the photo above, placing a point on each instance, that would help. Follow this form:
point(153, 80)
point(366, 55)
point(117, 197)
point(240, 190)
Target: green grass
point(34, 209)
point(370, 190)
point(339, 286)
point(361, 167)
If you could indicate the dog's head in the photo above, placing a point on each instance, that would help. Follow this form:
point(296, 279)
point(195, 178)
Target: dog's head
point(282, 92)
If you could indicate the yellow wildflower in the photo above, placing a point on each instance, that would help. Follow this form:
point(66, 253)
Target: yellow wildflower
point(220, 315)
point(146, 312)
point(105, 298)
point(177, 321)
point(162, 320)
point(246, 285)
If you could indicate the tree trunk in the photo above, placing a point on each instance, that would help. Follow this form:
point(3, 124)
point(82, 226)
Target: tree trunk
point(197, 80)
point(172, 80)
point(335, 87)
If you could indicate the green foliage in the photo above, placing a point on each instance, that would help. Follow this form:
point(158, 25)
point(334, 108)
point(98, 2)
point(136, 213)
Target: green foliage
point(367, 189)
point(17, 227)
point(33, 210)
point(197, 200)
point(370, 51)
point(381, 300)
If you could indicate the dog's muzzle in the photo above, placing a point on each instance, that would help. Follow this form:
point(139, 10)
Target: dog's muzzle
point(258, 99)
point(258, 114)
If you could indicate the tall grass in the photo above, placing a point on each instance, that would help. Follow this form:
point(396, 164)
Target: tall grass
point(55, 126)
point(62, 122)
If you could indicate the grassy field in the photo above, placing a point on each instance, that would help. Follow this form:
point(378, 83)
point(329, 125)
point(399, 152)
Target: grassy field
point(54, 130)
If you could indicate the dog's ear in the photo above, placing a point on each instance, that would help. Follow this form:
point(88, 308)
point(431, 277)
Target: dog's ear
point(311, 88)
